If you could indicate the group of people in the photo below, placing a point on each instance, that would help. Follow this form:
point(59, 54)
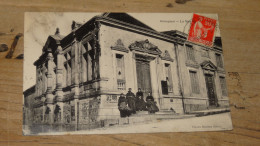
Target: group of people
point(130, 103)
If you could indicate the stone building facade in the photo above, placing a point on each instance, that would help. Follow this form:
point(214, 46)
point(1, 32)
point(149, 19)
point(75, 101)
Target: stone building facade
point(79, 76)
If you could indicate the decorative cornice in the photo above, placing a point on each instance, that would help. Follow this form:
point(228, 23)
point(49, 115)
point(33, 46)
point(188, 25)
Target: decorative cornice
point(89, 95)
point(68, 97)
point(145, 46)
point(192, 64)
point(144, 57)
point(221, 70)
point(68, 88)
point(95, 80)
point(137, 29)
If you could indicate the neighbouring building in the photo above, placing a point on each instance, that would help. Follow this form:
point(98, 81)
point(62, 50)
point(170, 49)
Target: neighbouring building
point(79, 76)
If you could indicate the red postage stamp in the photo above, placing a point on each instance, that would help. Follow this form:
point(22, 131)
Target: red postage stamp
point(202, 30)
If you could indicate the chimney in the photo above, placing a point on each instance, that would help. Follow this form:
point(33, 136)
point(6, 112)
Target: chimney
point(57, 31)
point(75, 25)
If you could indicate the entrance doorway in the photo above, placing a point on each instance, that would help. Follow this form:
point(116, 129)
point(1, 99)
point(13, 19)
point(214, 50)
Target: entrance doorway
point(143, 76)
point(211, 90)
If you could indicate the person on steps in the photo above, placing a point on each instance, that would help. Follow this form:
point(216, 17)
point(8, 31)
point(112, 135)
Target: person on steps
point(151, 104)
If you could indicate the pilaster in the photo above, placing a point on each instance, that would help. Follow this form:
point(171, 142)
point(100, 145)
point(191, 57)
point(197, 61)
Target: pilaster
point(75, 67)
point(59, 76)
point(76, 113)
point(49, 95)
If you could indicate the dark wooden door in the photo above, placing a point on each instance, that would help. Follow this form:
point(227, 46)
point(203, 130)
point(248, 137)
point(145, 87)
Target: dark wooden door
point(143, 76)
point(211, 89)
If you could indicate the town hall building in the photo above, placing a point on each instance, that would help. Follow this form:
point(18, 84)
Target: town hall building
point(79, 77)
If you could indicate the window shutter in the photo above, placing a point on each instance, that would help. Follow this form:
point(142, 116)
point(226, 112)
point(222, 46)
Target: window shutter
point(194, 82)
point(190, 53)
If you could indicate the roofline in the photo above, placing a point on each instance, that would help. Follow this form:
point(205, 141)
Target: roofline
point(28, 89)
point(137, 29)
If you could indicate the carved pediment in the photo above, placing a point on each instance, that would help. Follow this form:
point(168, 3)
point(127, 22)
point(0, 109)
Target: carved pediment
point(208, 65)
point(166, 56)
point(145, 46)
point(119, 46)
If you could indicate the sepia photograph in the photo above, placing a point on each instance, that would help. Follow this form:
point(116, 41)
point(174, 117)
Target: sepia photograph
point(108, 73)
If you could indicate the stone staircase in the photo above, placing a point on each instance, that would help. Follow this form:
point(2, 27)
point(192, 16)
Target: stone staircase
point(145, 117)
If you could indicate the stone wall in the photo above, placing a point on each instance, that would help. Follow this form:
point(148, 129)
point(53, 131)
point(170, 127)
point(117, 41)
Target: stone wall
point(195, 104)
point(109, 37)
point(201, 54)
point(38, 115)
point(172, 104)
point(88, 113)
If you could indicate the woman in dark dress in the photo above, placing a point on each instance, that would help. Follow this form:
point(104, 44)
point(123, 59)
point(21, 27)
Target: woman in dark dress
point(151, 104)
point(140, 103)
point(123, 107)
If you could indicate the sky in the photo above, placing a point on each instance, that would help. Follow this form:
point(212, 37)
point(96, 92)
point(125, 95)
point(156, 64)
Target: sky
point(39, 25)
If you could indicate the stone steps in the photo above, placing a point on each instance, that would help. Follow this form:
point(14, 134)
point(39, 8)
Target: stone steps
point(145, 117)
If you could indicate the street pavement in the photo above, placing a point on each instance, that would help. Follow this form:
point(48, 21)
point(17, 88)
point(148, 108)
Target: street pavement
point(214, 122)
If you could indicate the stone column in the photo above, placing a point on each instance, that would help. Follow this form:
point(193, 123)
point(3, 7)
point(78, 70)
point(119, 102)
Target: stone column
point(97, 54)
point(133, 61)
point(49, 95)
point(59, 75)
point(179, 72)
point(154, 81)
point(59, 80)
point(75, 72)
point(75, 66)
point(76, 102)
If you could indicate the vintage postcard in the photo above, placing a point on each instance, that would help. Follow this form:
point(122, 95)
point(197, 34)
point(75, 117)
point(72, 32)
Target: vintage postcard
point(103, 73)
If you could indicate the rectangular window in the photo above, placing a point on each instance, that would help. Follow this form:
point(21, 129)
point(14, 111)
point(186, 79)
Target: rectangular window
point(69, 73)
point(88, 63)
point(190, 53)
point(64, 83)
point(223, 86)
point(120, 72)
point(45, 81)
point(39, 82)
point(194, 82)
point(72, 113)
point(67, 69)
point(54, 72)
point(168, 76)
point(84, 65)
point(219, 60)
